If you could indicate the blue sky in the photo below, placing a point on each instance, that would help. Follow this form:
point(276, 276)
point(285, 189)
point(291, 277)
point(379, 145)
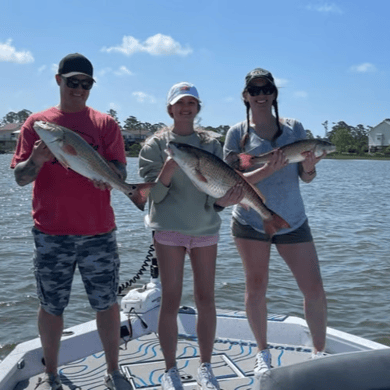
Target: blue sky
point(330, 59)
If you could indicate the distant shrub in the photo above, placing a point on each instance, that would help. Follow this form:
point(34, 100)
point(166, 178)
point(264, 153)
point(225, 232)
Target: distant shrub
point(134, 150)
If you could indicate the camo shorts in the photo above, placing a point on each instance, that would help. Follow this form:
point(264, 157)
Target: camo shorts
point(55, 260)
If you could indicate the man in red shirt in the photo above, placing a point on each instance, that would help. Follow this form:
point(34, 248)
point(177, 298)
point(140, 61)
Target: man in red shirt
point(74, 222)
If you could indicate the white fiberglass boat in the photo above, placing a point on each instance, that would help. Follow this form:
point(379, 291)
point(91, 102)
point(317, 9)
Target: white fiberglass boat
point(352, 362)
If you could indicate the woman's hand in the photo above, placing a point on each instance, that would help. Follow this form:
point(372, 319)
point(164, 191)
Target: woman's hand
point(169, 168)
point(307, 168)
point(310, 161)
point(277, 161)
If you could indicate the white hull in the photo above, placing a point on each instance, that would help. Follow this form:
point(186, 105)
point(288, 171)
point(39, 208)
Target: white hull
point(233, 357)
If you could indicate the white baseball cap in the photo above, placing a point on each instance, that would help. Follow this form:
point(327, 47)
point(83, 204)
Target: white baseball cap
point(180, 90)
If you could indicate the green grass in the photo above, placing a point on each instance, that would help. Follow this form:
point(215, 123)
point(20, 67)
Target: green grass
point(366, 156)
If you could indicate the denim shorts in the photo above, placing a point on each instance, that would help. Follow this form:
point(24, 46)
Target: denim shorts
point(302, 234)
point(177, 239)
point(55, 260)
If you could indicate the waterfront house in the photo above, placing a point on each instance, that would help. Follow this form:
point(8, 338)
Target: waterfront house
point(8, 136)
point(135, 135)
point(379, 136)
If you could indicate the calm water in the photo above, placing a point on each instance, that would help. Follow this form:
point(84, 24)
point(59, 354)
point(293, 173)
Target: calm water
point(349, 210)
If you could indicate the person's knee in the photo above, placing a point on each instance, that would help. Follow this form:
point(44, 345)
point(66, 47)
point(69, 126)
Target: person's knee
point(256, 284)
point(204, 300)
point(314, 292)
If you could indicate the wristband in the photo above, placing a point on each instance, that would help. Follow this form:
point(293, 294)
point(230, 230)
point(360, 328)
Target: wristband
point(312, 172)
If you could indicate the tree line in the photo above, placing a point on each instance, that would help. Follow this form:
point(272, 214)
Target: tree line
point(346, 138)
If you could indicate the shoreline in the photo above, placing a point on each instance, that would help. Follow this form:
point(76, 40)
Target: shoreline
point(335, 157)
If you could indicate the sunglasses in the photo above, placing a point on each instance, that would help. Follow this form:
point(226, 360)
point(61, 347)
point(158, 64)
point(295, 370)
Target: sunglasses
point(72, 82)
point(255, 90)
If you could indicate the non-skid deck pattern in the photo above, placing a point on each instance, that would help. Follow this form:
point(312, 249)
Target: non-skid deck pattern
point(142, 362)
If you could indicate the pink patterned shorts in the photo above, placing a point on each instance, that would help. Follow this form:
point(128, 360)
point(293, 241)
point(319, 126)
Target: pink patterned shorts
point(189, 242)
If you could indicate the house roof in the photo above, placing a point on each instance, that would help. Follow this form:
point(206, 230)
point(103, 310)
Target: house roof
point(10, 127)
point(136, 132)
point(387, 121)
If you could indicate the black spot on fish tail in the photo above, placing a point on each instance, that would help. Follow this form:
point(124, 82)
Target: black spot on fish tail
point(138, 193)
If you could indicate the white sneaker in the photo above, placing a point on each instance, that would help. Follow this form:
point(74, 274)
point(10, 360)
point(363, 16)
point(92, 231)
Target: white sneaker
point(206, 379)
point(318, 355)
point(171, 380)
point(117, 381)
point(263, 363)
point(49, 382)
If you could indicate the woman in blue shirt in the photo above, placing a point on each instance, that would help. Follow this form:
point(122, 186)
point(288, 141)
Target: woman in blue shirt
point(278, 181)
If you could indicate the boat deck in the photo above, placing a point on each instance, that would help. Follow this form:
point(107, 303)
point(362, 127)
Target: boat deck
point(142, 362)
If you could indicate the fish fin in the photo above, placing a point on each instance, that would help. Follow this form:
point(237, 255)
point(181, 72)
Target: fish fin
point(246, 161)
point(274, 224)
point(233, 160)
point(138, 193)
point(200, 177)
point(262, 197)
point(63, 162)
point(69, 149)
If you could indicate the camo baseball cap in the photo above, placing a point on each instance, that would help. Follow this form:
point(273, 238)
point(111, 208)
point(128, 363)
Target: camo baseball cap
point(74, 64)
point(258, 73)
point(180, 90)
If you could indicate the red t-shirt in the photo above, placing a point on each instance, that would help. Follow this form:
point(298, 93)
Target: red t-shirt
point(65, 202)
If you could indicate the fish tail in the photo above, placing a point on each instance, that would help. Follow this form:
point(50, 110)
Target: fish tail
point(274, 224)
point(138, 193)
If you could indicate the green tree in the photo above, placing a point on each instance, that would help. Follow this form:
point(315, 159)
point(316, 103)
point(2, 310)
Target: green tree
point(134, 150)
point(16, 117)
point(157, 126)
point(114, 115)
point(342, 139)
point(309, 134)
point(131, 123)
point(356, 138)
point(325, 124)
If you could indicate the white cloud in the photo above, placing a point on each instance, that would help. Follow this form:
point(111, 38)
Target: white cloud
point(42, 69)
point(114, 106)
point(325, 8)
point(301, 94)
point(363, 68)
point(229, 99)
point(123, 71)
point(143, 97)
point(280, 82)
point(104, 71)
point(8, 53)
point(157, 45)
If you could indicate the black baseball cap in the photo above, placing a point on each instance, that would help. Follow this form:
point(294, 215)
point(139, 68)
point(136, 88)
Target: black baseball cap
point(258, 73)
point(74, 64)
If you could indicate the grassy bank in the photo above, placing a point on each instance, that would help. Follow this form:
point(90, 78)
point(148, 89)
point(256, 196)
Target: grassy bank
point(334, 156)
